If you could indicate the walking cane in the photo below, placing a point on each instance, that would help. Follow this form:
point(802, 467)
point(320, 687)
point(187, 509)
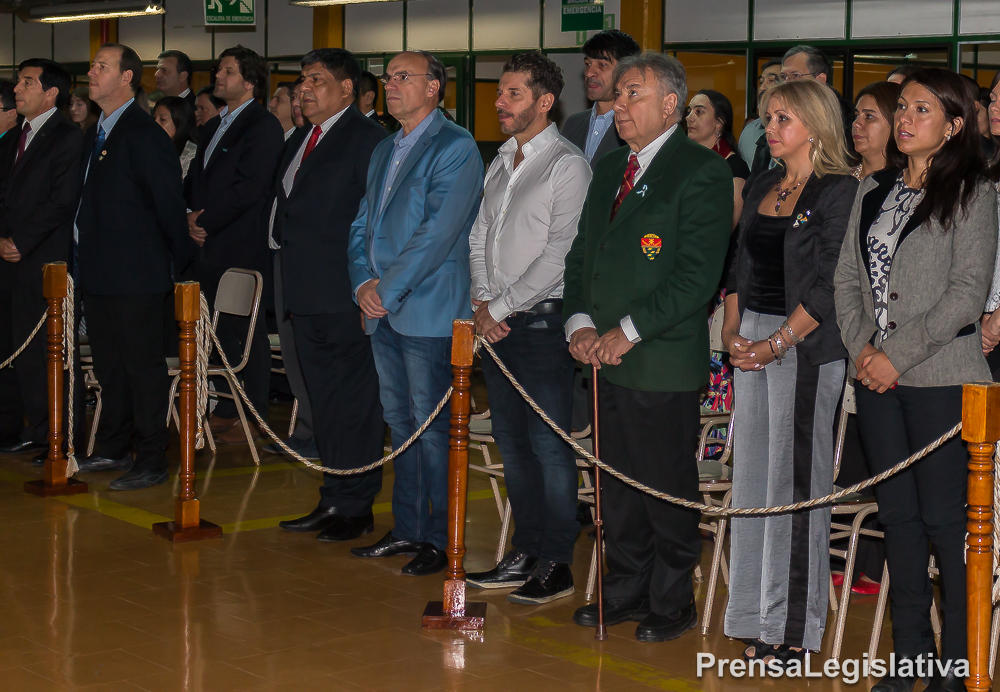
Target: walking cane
point(602, 632)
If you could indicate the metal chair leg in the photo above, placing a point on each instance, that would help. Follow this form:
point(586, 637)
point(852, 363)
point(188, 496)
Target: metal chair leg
point(845, 589)
point(883, 598)
point(295, 417)
point(504, 528)
point(243, 420)
point(713, 576)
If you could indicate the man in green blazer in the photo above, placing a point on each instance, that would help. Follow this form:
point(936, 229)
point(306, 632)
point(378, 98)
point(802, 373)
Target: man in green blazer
point(640, 275)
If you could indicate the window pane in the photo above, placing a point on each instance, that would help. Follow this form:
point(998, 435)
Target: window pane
point(706, 20)
point(799, 19)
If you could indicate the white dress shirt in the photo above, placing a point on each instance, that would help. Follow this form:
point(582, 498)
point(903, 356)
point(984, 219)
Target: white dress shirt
point(227, 120)
point(293, 168)
point(36, 125)
point(527, 222)
point(184, 93)
point(581, 319)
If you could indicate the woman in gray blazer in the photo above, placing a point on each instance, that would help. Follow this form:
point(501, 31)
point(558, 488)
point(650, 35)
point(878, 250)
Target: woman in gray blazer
point(910, 287)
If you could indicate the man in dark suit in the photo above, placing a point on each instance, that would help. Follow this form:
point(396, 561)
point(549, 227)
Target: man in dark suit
point(39, 196)
point(321, 183)
point(593, 130)
point(367, 100)
point(645, 264)
point(173, 75)
point(228, 189)
point(131, 234)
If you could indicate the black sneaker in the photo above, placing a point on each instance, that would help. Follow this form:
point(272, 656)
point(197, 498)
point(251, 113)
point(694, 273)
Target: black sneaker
point(549, 581)
point(512, 571)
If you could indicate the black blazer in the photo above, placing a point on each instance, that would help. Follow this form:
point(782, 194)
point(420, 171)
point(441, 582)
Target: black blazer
point(313, 224)
point(575, 130)
point(235, 193)
point(813, 239)
point(39, 195)
point(133, 228)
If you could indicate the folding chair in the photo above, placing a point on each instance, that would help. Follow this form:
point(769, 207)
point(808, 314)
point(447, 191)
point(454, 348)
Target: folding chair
point(238, 294)
point(274, 341)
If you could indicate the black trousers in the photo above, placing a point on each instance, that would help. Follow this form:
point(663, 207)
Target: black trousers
point(924, 504)
point(339, 370)
point(126, 340)
point(255, 378)
point(652, 546)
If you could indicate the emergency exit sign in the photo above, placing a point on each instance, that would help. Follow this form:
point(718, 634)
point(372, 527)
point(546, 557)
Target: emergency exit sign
point(230, 13)
point(582, 15)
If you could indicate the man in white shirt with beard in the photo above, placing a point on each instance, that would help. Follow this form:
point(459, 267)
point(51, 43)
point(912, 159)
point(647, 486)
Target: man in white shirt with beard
point(532, 200)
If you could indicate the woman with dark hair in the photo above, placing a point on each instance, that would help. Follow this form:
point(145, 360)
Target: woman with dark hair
point(82, 111)
point(913, 276)
point(175, 115)
point(872, 129)
point(710, 123)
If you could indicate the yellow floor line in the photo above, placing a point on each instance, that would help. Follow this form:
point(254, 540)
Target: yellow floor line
point(609, 663)
point(115, 510)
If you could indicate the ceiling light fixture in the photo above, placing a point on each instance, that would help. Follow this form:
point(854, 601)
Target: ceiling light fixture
point(80, 12)
point(324, 3)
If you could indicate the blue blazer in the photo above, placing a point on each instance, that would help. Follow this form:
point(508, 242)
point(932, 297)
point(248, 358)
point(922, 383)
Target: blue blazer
point(418, 247)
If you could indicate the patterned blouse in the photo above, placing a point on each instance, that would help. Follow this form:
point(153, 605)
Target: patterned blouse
point(993, 302)
point(883, 238)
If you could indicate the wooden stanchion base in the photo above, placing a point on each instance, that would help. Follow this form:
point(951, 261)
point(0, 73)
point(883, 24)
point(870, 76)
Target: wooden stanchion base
point(72, 487)
point(435, 618)
point(170, 531)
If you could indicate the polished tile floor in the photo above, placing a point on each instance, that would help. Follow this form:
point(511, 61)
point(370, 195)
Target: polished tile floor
point(93, 601)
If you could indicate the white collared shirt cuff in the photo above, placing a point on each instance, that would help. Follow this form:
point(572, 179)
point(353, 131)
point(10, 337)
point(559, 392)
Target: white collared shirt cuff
point(631, 333)
point(575, 323)
point(498, 311)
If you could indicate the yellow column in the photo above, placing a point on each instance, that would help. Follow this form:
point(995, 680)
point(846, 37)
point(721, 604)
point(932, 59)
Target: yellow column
point(102, 31)
point(328, 26)
point(643, 20)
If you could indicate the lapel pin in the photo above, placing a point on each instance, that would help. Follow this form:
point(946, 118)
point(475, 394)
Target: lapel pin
point(642, 192)
point(802, 218)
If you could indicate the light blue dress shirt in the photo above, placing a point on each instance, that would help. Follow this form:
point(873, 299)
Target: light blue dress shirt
point(402, 147)
point(599, 125)
point(227, 120)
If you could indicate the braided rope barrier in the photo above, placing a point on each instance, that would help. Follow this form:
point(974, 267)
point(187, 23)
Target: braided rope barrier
point(203, 344)
point(69, 344)
point(710, 509)
point(34, 332)
point(298, 457)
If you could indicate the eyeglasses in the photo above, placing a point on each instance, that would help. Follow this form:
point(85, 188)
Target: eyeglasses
point(792, 76)
point(400, 77)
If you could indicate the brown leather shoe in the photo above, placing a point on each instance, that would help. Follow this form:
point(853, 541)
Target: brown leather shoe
point(236, 436)
point(220, 425)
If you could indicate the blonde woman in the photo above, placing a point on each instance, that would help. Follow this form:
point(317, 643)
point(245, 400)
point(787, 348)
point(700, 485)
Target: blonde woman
point(781, 333)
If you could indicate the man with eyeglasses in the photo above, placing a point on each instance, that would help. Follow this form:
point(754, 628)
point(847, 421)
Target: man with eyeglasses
point(808, 62)
point(754, 129)
point(408, 261)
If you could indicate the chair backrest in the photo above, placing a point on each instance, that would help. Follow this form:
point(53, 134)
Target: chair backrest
point(847, 408)
point(715, 331)
point(237, 290)
point(239, 294)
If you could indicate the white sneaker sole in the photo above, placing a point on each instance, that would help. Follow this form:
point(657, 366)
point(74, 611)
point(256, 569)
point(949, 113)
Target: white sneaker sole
point(513, 598)
point(488, 585)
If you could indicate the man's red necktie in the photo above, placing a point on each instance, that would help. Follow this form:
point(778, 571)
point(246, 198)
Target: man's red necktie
point(23, 142)
point(310, 145)
point(627, 182)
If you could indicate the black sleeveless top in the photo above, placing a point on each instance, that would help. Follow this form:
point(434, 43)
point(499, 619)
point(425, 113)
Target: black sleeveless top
point(765, 241)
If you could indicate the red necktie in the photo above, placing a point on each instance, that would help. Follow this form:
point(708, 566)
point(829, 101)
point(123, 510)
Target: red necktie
point(22, 142)
point(317, 131)
point(627, 182)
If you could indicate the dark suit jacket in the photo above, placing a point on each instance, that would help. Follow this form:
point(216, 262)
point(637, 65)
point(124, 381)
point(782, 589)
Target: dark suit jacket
point(190, 97)
point(313, 224)
point(658, 262)
point(813, 239)
point(40, 195)
point(133, 228)
point(235, 192)
point(575, 130)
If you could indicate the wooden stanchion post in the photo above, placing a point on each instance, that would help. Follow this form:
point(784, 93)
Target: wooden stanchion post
point(454, 613)
point(187, 524)
point(981, 429)
point(55, 482)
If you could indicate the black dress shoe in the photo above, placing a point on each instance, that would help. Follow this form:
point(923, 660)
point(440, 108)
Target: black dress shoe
point(429, 560)
point(549, 581)
point(347, 528)
point(136, 479)
point(387, 547)
point(895, 683)
point(20, 447)
point(512, 571)
point(663, 628)
point(616, 610)
point(946, 683)
point(98, 463)
point(316, 520)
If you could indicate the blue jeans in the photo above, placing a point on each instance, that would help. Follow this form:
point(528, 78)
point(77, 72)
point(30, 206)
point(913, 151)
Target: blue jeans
point(414, 372)
point(539, 468)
